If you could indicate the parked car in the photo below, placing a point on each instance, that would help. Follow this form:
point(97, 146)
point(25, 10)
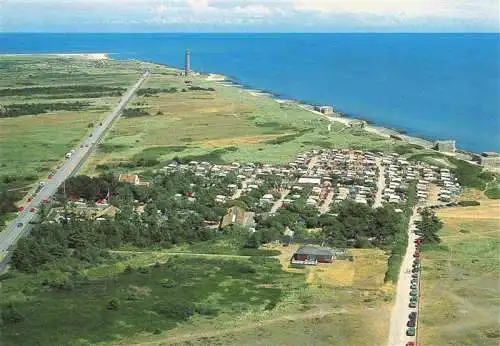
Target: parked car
point(414, 270)
point(410, 331)
point(410, 343)
point(414, 275)
point(413, 299)
point(413, 293)
point(412, 315)
point(414, 281)
point(412, 305)
point(411, 323)
point(416, 254)
point(413, 287)
point(32, 210)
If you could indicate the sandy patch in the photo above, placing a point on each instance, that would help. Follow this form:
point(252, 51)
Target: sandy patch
point(235, 141)
point(487, 210)
point(337, 274)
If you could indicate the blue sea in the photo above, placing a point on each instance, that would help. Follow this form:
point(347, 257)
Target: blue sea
point(437, 86)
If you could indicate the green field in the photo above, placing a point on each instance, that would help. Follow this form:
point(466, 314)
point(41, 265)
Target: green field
point(230, 300)
point(460, 301)
point(196, 123)
point(56, 100)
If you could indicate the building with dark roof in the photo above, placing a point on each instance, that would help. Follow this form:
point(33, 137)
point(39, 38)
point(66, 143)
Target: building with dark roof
point(312, 255)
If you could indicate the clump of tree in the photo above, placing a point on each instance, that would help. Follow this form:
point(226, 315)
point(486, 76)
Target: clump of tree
point(135, 112)
point(169, 218)
point(7, 203)
point(88, 188)
point(147, 92)
point(198, 88)
point(60, 89)
point(429, 226)
point(19, 109)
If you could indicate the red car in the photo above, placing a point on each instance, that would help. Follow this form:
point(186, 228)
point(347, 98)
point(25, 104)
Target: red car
point(32, 210)
point(410, 343)
point(45, 200)
point(416, 255)
point(20, 209)
point(30, 199)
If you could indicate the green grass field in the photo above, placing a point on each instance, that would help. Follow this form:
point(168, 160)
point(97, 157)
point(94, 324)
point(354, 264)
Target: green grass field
point(31, 145)
point(460, 301)
point(189, 299)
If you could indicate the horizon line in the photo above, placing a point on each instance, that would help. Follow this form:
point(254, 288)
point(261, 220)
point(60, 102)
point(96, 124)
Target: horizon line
point(254, 32)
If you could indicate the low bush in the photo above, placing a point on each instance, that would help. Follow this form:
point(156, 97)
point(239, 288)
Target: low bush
point(468, 203)
point(493, 193)
point(134, 112)
point(10, 315)
point(19, 109)
point(113, 304)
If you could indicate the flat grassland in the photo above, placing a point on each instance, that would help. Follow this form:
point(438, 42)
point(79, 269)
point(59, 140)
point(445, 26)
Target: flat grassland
point(460, 302)
point(228, 124)
point(35, 139)
point(161, 298)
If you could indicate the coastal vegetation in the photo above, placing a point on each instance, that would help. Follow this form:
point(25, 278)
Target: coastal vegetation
point(459, 288)
point(30, 146)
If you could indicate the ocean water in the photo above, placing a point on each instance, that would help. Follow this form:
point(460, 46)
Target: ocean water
point(437, 86)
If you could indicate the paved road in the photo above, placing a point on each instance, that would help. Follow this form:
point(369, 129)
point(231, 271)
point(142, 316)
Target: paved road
point(380, 184)
point(400, 312)
point(20, 225)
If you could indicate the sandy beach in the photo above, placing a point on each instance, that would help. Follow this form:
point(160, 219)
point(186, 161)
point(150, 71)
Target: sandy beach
point(88, 56)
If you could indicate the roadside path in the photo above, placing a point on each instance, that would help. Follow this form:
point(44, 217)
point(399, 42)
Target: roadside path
point(380, 184)
point(20, 224)
point(278, 203)
point(400, 312)
point(326, 204)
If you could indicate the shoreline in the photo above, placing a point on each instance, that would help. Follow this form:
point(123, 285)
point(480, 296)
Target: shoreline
point(89, 56)
point(346, 120)
point(228, 81)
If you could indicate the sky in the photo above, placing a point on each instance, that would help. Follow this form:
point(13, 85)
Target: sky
point(249, 16)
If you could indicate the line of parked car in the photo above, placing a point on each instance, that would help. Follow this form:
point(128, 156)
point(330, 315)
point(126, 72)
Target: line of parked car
point(415, 272)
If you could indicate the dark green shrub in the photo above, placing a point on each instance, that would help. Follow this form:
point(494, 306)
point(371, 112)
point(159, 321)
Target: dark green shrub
point(469, 203)
point(113, 304)
point(10, 315)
